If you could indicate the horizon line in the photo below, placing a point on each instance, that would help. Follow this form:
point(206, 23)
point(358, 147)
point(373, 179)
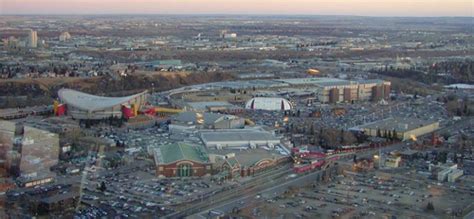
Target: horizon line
point(233, 14)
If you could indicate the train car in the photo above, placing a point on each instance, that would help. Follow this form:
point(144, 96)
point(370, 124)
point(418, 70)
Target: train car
point(310, 154)
point(314, 164)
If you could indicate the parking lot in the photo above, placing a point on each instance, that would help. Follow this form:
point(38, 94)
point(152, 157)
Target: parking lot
point(376, 195)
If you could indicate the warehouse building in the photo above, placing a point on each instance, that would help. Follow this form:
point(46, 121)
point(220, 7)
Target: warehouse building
point(405, 128)
point(182, 160)
point(239, 138)
point(90, 107)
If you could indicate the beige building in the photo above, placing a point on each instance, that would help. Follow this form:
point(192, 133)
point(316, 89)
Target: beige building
point(393, 162)
point(33, 39)
point(405, 128)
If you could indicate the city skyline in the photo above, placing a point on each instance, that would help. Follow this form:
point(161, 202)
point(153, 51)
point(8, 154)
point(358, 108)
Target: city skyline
point(402, 8)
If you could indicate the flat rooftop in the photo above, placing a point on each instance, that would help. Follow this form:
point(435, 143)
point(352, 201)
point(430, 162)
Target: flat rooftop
point(399, 124)
point(315, 81)
point(205, 104)
point(238, 135)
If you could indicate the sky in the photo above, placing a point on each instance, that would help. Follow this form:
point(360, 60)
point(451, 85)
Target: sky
point(418, 8)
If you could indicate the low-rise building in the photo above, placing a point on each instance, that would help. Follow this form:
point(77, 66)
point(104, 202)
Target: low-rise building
point(454, 175)
point(182, 160)
point(239, 138)
point(393, 162)
point(405, 128)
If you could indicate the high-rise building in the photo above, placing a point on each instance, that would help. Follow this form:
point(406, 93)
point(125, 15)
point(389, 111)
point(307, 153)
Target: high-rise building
point(33, 39)
point(27, 154)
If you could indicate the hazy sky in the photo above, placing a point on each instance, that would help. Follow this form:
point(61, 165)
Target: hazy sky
point(307, 7)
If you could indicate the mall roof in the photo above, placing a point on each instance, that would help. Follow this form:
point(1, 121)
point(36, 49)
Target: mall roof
point(91, 102)
point(398, 124)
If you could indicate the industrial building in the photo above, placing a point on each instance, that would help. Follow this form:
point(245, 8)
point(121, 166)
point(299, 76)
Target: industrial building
point(268, 103)
point(182, 160)
point(405, 128)
point(90, 107)
point(239, 138)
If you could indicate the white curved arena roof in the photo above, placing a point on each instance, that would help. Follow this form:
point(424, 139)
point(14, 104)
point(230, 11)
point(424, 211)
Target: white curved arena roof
point(268, 103)
point(91, 102)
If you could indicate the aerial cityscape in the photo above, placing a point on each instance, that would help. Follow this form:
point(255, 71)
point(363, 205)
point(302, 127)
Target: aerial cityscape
point(357, 109)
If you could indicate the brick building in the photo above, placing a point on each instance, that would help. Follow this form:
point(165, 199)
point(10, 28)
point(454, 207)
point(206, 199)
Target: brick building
point(182, 160)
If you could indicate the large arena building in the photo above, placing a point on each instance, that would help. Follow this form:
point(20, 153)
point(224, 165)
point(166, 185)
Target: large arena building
point(90, 107)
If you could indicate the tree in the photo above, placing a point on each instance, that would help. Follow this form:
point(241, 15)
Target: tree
point(394, 135)
point(342, 136)
point(379, 134)
point(429, 206)
point(102, 186)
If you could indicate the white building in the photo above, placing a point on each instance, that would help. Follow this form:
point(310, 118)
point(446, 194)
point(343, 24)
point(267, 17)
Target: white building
point(454, 175)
